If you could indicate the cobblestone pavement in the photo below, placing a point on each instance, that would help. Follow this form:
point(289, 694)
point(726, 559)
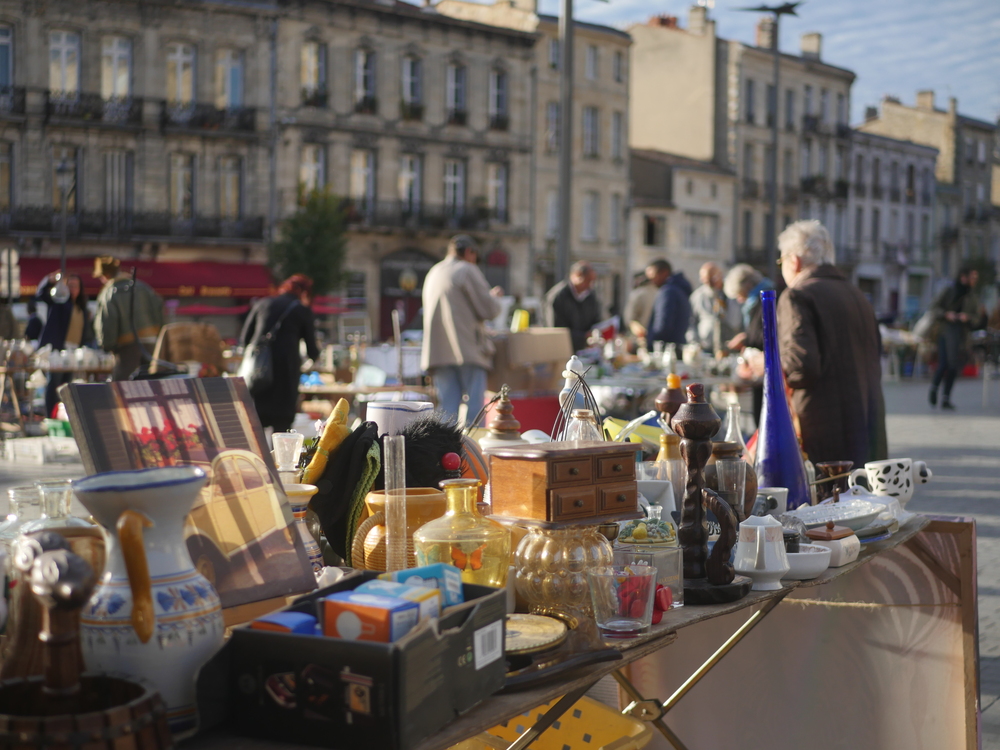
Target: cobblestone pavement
point(962, 448)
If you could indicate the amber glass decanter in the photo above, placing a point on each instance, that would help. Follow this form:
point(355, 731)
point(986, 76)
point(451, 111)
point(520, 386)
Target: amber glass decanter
point(477, 546)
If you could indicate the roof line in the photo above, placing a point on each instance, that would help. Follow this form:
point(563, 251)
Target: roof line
point(588, 25)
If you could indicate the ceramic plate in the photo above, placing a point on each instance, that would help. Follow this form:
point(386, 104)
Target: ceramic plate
point(854, 514)
point(526, 634)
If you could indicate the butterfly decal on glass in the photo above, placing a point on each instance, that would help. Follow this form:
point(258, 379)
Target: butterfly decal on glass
point(468, 560)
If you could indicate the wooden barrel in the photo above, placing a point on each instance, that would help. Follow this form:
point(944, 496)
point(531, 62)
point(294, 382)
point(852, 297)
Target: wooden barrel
point(110, 712)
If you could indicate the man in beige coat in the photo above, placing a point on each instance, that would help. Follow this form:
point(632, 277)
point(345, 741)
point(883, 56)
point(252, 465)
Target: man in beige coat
point(456, 351)
point(830, 351)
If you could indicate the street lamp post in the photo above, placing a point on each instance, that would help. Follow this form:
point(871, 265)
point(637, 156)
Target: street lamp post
point(565, 138)
point(771, 234)
point(65, 180)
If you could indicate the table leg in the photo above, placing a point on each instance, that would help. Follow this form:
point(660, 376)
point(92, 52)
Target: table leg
point(550, 717)
point(647, 710)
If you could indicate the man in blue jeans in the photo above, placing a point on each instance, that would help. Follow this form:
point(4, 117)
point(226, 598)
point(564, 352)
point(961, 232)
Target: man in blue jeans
point(456, 350)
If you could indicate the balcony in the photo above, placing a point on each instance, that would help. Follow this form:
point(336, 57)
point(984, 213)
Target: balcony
point(983, 214)
point(206, 117)
point(860, 190)
point(810, 124)
point(815, 185)
point(894, 195)
point(499, 122)
point(751, 189)
point(840, 189)
point(11, 100)
point(125, 225)
point(314, 97)
point(844, 130)
point(402, 215)
point(92, 108)
point(411, 111)
point(877, 192)
point(791, 194)
point(366, 105)
point(457, 117)
point(970, 214)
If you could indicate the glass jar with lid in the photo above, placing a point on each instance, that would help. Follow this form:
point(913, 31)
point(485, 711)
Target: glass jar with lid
point(583, 426)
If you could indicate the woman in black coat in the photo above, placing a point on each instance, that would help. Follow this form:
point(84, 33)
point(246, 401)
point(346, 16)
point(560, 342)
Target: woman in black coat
point(277, 405)
point(67, 323)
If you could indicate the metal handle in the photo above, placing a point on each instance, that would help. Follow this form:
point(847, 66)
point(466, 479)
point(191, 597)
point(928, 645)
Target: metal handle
point(622, 498)
point(617, 467)
point(578, 503)
point(574, 470)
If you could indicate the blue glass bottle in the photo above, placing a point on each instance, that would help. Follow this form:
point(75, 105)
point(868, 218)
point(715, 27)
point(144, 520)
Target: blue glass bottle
point(779, 457)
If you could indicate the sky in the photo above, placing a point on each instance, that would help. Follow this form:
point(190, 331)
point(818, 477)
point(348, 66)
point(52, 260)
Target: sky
point(895, 47)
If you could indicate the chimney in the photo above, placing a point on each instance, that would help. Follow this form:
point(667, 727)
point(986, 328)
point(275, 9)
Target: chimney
point(925, 99)
point(697, 19)
point(765, 32)
point(952, 105)
point(871, 113)
point(812, 45)
point(663, 22)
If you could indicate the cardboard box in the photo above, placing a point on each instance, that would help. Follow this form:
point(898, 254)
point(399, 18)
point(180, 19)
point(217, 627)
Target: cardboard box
point(530, 361)
point(353, 694)
point(356, 616)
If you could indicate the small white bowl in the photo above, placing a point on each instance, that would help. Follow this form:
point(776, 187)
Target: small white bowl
point(808, 563)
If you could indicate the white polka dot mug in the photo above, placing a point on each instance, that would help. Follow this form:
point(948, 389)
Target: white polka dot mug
point(896, 477)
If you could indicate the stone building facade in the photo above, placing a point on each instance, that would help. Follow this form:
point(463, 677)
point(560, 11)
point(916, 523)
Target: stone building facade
point(682, 209)
point(964, 171)
point(891, 245)
point(188, 128)
point(600, 141)
point(718, 106)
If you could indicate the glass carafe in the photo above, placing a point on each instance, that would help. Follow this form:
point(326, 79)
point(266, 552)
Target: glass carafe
point(583, 426)
point(478, 546)
point(25, 506)
point(55, 499)
point(734, 432)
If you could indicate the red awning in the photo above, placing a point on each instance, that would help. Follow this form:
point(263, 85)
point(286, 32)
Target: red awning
point(195, 279)
point(199, 310)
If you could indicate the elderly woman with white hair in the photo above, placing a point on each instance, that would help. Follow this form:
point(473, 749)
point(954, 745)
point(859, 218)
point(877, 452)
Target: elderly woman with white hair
point(830, 351)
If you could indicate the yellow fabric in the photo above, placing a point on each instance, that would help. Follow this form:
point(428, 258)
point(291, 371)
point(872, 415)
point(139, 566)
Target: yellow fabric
point(74, 334)
point(333, 435)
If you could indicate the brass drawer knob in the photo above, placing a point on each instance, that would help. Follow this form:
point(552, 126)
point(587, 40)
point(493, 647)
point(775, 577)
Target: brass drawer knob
point(622, 498)
point(579, 503)
point(574, 470)
point(617, 467)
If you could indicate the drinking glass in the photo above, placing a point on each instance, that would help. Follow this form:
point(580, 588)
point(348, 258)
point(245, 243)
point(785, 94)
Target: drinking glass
point(732, 477)
point(669, 564)
point(287, 448)
point(622, 596)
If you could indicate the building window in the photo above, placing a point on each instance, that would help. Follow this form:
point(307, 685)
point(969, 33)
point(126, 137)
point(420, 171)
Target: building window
point(64, 64)
point(772, 105)
point(312, 169)
point(807, 100)
point(789, 109)
point(6, 56)
point(768, 173)
point(182, 186)
point(591, 136)
point(118, 182)
point(824, 105)
point(970, 150)
point(230, 187)
point(6, 177)
point(838, 227)
point(312, 74)
point(496, 190)
point(554, 54)
point(617, 134)
point(840, 163)
point(876, 174)
point(410, 182)
point(841, 109)
point(69, 156)
point(654, 230)
point(806, 158)
point(365, 100)
point(981, 151)
point(552, 127)
point(749, 106)
point(228, 79)
point(689, 187)
point(747, 229)
point(116, 67)
point(454, 186)
point(788, 168)
point(497, 102)
point(925, 232)
point(618, 67)
point(412, 93)
point(590, 68)
point(591, 211)
point(748, 171)
point(551, 214)
point(180, 73)
point(859, 225)
point(363, 179)
point(876, 228)
point(455, 94)
point(701, 232)
point(615, 223)
point(713, 190)
point(824, 160)
point(859, 170)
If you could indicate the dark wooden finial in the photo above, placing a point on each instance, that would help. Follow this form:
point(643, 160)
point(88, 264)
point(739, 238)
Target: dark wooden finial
point(503, 425)
point(696, 393)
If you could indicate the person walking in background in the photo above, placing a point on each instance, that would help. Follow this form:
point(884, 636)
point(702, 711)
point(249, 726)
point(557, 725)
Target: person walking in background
point(289, 316)
point(33, 328)
point(129, 316)
point(715, 318)
point(744, 283)
point(8, 323)
point(67, 324)
point(830, 352)
point(956, 313)
point(639, 306)
point(573, 304)
point(671, 310)
point(456, 351)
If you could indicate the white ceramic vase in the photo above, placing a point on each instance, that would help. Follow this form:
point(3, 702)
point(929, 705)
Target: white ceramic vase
point(152, 615)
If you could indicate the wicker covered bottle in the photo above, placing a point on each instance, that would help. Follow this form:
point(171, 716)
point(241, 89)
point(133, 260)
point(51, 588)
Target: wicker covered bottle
point(478, 546)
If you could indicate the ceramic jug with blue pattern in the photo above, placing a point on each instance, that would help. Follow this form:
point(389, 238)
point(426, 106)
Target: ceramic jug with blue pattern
point(153, 615)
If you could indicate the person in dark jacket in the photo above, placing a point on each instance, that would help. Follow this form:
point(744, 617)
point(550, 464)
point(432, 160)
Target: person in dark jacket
point(276, 406)
point(573, 304)
point(33, 328)
point(956, 312)
point(671, 310)
point(67, 324)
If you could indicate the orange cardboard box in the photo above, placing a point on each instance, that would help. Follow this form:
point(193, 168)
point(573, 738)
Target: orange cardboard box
point(368, 617)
